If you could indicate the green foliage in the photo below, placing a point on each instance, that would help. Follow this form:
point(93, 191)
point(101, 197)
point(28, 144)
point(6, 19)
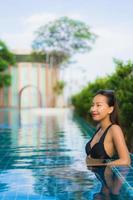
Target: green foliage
point(6, 59)
point(5, 80)
point(121, 81)
point(58, 87)
point(64, 35)
point(3, 65)
point(41, 57)
point(5, 54)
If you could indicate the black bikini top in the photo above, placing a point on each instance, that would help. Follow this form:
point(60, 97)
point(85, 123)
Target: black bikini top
point(98, 151)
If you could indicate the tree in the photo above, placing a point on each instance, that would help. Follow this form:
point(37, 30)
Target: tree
point(64, 35)
point(6, 59)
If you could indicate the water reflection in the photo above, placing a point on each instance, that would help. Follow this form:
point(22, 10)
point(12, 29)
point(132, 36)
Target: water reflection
point(6, 159)
point(111, 184)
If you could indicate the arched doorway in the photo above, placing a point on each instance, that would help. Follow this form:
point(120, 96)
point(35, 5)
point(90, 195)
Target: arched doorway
point(39, 96)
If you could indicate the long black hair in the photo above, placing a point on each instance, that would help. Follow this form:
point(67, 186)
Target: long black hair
point(112, 101)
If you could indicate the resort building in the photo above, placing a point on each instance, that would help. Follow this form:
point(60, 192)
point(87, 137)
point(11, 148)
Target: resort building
point(33, 79)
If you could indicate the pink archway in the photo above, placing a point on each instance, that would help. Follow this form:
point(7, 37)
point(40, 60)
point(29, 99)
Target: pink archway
point(24, 88)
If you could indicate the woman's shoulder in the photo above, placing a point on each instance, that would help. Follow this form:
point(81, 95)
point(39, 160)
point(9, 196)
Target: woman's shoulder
point(115, 126)
point(115, 130)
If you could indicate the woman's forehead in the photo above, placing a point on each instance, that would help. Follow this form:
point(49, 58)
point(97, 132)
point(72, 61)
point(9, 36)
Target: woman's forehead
point(100, 98)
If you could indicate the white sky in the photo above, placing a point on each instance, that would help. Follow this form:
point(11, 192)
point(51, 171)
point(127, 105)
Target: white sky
point(111, 20)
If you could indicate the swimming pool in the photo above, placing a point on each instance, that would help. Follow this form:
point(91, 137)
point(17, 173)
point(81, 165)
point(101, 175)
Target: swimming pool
point(42, 157)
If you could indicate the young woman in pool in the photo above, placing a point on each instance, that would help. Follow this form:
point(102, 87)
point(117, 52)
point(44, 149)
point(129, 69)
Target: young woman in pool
point(108, 140)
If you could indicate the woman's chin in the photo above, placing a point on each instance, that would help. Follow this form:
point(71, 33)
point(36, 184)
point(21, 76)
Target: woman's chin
point(95, 119)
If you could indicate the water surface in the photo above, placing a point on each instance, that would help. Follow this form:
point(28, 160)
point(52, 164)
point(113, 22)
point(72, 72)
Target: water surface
point(42, 157)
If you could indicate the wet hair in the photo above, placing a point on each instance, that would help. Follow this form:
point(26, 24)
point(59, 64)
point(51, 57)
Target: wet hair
point(112, 101)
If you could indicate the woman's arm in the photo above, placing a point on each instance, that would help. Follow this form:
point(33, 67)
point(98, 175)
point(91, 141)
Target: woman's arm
point(90, 162)
point(121, 147)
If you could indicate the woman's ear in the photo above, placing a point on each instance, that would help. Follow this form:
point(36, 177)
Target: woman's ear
point(111, 108)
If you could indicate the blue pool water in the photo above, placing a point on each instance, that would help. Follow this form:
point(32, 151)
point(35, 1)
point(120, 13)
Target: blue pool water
point(42, 157)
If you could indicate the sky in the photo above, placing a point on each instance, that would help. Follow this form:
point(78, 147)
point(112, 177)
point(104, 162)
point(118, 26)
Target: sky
point(111, 20)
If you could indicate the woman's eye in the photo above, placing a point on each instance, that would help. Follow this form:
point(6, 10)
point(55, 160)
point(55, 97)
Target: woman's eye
point(98, 105)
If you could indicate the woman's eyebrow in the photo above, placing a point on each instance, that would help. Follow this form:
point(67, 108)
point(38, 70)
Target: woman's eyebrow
point(99, 102)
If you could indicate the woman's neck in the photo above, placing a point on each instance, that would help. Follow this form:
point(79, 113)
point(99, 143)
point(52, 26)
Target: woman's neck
point(104, 124)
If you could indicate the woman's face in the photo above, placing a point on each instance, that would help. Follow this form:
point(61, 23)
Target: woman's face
point(100, 108)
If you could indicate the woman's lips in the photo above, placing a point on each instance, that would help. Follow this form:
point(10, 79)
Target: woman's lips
point(94, 114)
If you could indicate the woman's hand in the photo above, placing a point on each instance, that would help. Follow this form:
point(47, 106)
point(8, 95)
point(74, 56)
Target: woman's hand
point(90, 162)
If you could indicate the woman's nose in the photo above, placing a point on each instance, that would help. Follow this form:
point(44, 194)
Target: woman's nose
point(93, 108)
